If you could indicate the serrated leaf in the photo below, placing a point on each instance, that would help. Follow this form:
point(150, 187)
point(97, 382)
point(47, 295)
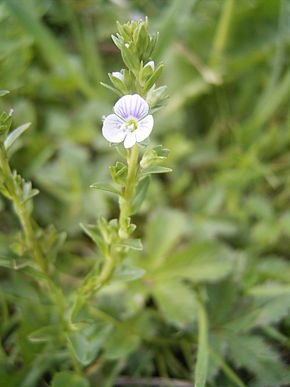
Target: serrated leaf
point(252, 352)
point(12, 137)
point(105, 187)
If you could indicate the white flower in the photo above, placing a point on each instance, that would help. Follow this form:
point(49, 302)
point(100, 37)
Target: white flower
point(130, 123)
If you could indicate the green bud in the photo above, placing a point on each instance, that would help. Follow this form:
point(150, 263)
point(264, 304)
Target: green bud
point(154, 156)
point(147, 71)
point(117, 79)
point(150, 82)
point(5, 124)
point(157, 96)
point(130, 58)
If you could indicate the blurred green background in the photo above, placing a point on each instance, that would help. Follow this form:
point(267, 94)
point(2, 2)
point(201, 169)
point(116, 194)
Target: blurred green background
point(226, 203)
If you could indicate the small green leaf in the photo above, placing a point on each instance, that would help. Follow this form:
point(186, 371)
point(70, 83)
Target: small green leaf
point(106, 187)
point(12, 137)
point(6, 262)
point(86, 343)
point(127, 272)
point(94, 233)
point(4, 92)
point(154, 169)
point(141, 192)
point(134, 244)
point(154, 77)
point(130, 60)
point(111, 88)
point(44, 334)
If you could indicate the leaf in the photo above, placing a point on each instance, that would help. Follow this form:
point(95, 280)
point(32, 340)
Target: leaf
point(154, 77)
point(226, 369)
point(270, 290)
point(163, 231)
point(127, 272)
point(154, 169)
point(111, 88)
point(176, 301)
point(44, 334)
point(271, 309)
point(69, 379)
point(86, 343)
point(12, 137)
point(120, 343)
point(94, 233)
point(6, 262)
point(4, 92)
point(200, 372)
point(141, 192)
point(134, 244)
point(198, 262)
point(105, 187)
point(252, 353)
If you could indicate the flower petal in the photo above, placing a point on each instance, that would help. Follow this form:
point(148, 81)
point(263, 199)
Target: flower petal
point(131, 105)
point(112, 129)
point(144, 128)
point(130, 140)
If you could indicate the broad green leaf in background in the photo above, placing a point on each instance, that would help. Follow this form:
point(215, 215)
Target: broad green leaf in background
point(176, 301)
point(163, 231)
point(69, 379)
point(198, 262)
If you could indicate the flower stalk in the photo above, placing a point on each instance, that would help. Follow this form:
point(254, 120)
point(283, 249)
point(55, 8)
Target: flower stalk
point(129, 191)
point(131, 123)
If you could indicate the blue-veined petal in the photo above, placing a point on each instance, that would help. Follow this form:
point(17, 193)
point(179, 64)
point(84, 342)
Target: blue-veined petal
point(113, 129)
point(144, 128)
point(130, 140)
point(131, 106)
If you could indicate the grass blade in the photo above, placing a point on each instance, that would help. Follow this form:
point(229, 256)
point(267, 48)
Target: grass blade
point(202, 352)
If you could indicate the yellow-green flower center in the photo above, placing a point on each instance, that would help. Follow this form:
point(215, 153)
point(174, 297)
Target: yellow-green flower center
point(131, 124)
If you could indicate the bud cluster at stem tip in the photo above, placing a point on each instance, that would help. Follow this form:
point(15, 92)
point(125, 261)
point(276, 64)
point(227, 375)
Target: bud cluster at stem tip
point(141, 73)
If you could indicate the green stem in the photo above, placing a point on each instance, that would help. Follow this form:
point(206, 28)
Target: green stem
point(21, 210)
point(106, 272)
point(15, 194)
point(129, 191)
